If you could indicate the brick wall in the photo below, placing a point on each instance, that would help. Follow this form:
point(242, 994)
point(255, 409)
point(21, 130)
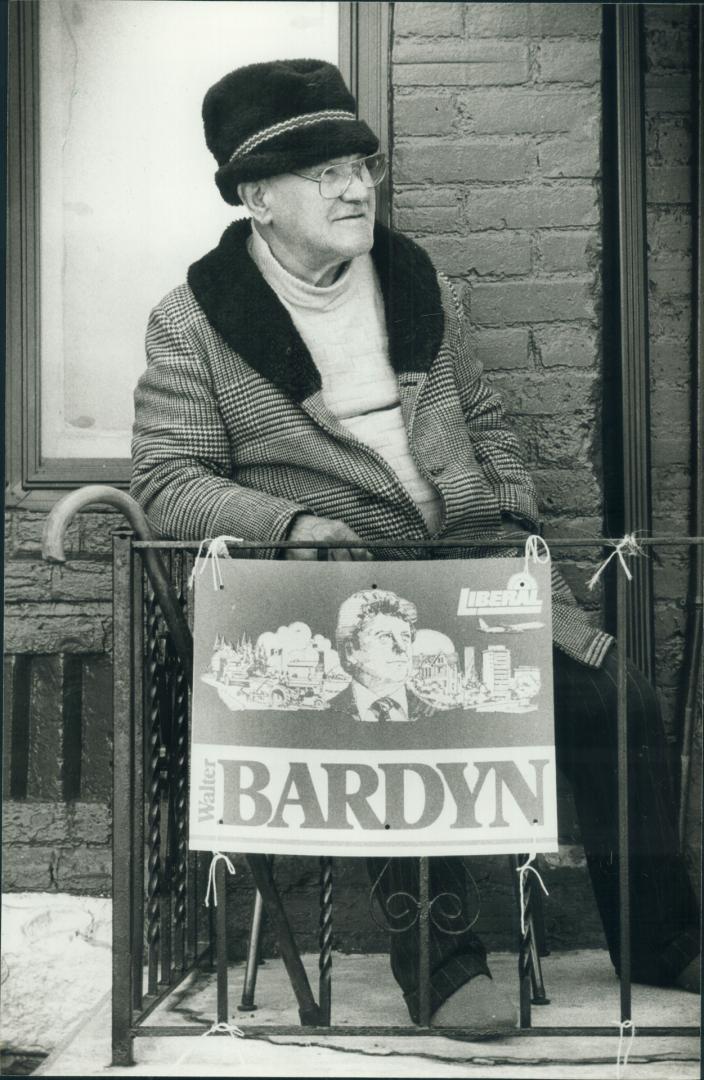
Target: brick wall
point(669, 209)
point(496, 172)
point(670, 70)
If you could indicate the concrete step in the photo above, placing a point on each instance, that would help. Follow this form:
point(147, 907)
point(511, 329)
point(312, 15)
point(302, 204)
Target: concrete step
point(582, 987)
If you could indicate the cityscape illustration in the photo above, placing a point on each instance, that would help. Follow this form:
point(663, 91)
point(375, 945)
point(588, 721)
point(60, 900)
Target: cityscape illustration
point(293, 669)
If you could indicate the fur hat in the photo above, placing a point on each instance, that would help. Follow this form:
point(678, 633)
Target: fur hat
point(270, 118)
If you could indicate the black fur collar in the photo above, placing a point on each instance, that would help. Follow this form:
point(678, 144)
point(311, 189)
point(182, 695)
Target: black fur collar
point(247, 313)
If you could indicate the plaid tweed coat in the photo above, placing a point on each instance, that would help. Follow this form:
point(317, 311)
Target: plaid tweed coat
point(232, 435)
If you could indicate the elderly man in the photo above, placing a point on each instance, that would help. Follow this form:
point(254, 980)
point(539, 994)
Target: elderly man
point(313, 381)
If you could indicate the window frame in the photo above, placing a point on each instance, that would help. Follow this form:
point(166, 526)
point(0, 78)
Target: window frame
point(31, 481)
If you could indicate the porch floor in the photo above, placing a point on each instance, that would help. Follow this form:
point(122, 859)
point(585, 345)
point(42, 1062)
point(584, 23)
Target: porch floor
point(581, 985)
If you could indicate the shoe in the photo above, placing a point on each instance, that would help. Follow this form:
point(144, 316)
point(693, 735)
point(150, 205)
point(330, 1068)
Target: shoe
point(690, 978)
point(481, 1007)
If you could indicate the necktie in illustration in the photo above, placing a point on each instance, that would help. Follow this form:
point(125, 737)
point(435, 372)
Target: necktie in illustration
point(383, 707)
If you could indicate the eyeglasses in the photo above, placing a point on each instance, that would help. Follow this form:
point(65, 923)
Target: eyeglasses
point(335, 180)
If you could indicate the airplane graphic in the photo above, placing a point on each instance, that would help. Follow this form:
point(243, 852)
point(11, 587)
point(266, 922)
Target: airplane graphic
point(512, 628)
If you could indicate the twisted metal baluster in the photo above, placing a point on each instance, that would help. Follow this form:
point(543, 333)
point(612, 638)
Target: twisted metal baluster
point(530, 974)
point(532, 943)
point(424, 1006)
point(193, 899)
point(153, 771)
point(168, 829)
point(325, 934)
point(181, 784)
point(139, 808)
point(526, 983)
point(325, 940)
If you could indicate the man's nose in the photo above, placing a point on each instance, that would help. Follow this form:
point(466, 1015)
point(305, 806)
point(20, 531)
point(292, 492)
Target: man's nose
point(357, 190)
point(399, 646)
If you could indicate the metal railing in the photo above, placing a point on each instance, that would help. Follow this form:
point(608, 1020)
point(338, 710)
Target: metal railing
point(161, 930)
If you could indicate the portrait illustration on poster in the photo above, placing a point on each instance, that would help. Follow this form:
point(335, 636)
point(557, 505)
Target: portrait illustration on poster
point(367, 707)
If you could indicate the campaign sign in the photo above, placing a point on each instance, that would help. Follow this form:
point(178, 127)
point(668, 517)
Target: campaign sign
point(382, 708)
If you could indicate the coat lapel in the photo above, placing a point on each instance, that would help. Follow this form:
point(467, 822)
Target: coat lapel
point(315, 406)
point(246, 312)
point(410, 385)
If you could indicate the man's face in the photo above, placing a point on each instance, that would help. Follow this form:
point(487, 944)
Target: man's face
point(321, 232)
point(382, 659)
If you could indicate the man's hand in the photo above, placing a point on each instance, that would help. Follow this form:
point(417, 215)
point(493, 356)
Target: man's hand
point(320, 530)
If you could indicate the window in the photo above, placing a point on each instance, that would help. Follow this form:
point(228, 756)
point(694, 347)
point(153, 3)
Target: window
point(112, 197)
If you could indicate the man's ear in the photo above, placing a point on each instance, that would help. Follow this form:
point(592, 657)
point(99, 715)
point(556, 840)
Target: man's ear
point(255, 196)
point(349, 652)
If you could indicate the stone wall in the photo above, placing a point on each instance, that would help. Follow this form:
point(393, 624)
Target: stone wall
point(50, 846)
point(58, 608)
point(57, 731)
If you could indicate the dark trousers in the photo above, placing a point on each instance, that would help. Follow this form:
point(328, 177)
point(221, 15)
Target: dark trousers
point(664, 915)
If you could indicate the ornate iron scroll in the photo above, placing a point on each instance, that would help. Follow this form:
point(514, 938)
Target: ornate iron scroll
point(402, 906)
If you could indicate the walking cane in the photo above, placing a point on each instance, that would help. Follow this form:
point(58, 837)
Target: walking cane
point(61, 516)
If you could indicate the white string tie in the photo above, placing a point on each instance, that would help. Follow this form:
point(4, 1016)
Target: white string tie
point(221, 1028)
point(522, 870)
point(627, 545)
point(216, 550)
point(211, 876)
point(623, 1027)
point(535, 548)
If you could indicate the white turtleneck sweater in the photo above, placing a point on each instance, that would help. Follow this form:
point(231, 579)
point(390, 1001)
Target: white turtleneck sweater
point(344, 327)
